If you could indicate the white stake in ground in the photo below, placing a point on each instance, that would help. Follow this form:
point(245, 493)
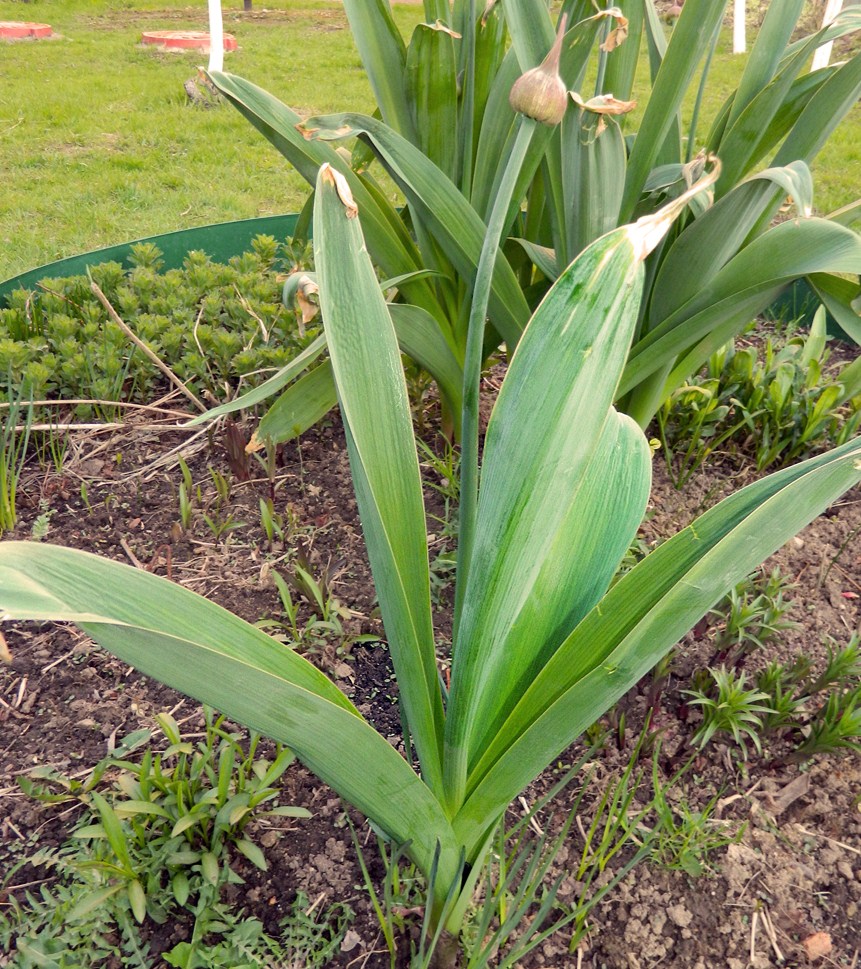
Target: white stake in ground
point(216, 36)
point(823, 53)
point(739, 13)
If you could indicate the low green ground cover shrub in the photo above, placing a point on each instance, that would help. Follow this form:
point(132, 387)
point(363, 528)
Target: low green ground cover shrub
point(218, 326)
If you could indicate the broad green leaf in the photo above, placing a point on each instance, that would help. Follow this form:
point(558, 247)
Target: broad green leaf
point(300, 407)
point(374, 406)
point(641, 618)
point(745, 286)
point(532, 511)
point(440, 206)
point(203, 650)
point(593, 176)
point(840, 296)
point(707, 245)
point(531, 30)
point(431, 74)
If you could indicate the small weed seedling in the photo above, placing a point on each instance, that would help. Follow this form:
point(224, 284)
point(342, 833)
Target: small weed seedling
point(812, 714)
point(754, 614)
point(728, 706)
point(324, 628)
point(13, 453)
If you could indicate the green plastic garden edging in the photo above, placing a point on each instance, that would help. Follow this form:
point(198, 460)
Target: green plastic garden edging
point(226, 239)
point(219, 242)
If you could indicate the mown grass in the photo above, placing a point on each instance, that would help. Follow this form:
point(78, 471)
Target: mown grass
point(99, 145)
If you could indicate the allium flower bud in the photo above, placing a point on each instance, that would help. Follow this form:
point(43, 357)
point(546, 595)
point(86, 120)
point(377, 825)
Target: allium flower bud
point(540, 93)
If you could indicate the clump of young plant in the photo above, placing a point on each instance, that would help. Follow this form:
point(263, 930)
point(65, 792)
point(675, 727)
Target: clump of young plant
point(729, 706)
point(158, 833)
point(752, 615)
point(682, 837)
point(777, 404)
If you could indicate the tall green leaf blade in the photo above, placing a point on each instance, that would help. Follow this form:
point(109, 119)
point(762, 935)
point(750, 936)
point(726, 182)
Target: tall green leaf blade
point(197, 647)
point(536, 490)
point(440, 205)
point(383, 55)
point(641, 618)
point(739, 148)
point(690, 41)
point(374, 406)
point(431, 73)
point(593, 176)
point(765, 57)
point(822, 113)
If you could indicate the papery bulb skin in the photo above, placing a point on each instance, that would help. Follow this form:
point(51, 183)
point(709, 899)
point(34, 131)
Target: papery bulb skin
point(540, 93)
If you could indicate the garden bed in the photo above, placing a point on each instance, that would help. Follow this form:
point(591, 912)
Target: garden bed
point(794, 877)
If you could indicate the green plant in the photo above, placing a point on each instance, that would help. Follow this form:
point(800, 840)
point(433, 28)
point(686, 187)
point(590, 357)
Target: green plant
point(780, 404)
point(309, 936)
point(156, 834)
point(444, 132)
point(220, 327)
point(549, 527)
point(812, 725)
point(729, 707)
point(753, 614)
point(13, 454)
point(683, 837)
point(324, 627)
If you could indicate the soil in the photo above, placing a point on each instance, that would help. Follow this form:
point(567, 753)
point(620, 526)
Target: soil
point(794, 875)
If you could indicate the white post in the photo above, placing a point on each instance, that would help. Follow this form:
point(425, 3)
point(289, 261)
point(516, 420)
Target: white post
point(216, 36)
point(739, 14)
point(823, 54)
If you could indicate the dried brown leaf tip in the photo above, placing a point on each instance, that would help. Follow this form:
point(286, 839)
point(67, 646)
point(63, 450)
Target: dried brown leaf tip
point(540, 93)
point(603, 104)
point(333, 177)
point(618, 34)
point(445, 29)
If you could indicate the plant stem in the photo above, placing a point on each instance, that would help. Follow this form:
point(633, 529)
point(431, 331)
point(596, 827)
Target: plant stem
point(475, 353)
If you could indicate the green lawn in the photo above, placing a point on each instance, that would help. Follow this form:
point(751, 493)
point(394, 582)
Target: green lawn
point(100, 145)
